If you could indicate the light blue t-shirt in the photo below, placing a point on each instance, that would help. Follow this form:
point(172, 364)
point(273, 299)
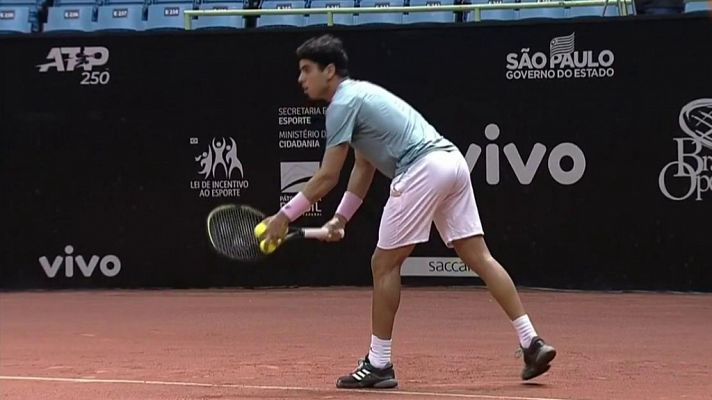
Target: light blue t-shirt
point(387, 131)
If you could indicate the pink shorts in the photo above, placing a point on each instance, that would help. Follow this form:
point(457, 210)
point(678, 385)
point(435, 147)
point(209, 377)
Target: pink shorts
point(436, 188)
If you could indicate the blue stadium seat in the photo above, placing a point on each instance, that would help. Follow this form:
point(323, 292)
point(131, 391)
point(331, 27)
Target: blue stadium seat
point(15, 19)
point(339, 19)
point(166, 16)
point(281, 20)
point(61, 3)
point(594, 11)
point(380, 18)
point(550, 12)
point(121, 17)
point(442, 16)
point(72, 15)
point(500, 14)
point(697, 6)
point(215, 22)
point(492, 14)
point(630, 9)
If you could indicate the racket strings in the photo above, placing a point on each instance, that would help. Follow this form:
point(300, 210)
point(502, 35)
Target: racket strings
point(231, 231)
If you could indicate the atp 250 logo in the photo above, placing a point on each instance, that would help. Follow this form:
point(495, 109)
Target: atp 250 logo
point(90, 60)
point(690, 174)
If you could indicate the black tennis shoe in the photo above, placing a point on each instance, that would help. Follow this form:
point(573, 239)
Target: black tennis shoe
point(537, 358)
point(368, 376)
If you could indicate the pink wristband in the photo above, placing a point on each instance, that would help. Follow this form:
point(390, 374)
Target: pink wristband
point(348, 206)
point(296, 207)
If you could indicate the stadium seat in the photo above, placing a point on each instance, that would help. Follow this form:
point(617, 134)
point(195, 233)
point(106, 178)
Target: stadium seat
point(339, 19)
point(72, 15)
point(555, 11)
point(379, 18)
point(119, 16)
point(697, 6)
point(166, 16)
point(492, 14)
point(442, 16)
point(593, 11)
point(500, 14)
point(19, 2)
point(281, 20)
point(220, 22)
point(15, 19)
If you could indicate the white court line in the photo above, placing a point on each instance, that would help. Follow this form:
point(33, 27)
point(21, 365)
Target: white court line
point(261, 387)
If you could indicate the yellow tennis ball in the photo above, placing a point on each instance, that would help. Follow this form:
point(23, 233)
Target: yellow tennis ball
point(268, 247)
point(260, 229)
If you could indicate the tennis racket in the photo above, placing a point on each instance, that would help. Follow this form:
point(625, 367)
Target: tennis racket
point(231, 232)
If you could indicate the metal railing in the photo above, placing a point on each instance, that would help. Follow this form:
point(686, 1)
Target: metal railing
point(623, 7)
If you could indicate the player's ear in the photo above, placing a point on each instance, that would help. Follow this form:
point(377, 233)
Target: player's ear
point(330, 71)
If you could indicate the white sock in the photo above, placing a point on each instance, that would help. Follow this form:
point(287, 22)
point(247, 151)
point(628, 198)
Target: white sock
point(525, 330)
point(380, 352)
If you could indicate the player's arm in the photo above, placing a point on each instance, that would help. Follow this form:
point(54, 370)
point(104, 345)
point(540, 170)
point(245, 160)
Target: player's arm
point(340, 125)
point(359, 183)
point(317, 187)
point(328, 174)
point(361, 176)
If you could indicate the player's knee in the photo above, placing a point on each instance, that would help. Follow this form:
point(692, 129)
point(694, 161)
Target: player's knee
point(377, 265)
point(474, 252)
point(481, 262)
point(381, 264)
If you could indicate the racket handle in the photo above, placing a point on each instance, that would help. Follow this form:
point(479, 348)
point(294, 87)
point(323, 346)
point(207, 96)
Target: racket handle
point(318, 233)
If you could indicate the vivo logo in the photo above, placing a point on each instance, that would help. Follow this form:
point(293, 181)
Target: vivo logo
point(525, 170)
point(109, 265)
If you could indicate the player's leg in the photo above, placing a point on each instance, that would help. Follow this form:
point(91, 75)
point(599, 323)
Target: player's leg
point(385, 268)
point(474, 252)
point(376, 370)
point(406, 221)
point(459, 224)
point(537, 354)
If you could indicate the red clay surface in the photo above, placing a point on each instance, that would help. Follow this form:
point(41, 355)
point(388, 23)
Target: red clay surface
point(449, 343)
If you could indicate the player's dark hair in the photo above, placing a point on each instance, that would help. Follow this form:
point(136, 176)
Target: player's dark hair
point(325, 50)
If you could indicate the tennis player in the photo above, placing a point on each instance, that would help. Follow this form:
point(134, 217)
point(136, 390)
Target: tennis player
point(430, 183)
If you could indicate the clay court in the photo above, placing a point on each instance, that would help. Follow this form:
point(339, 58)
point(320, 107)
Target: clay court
point(449, 343)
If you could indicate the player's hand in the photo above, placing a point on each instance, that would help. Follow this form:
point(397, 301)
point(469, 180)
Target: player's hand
point(277, 226)
point(336, 228)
